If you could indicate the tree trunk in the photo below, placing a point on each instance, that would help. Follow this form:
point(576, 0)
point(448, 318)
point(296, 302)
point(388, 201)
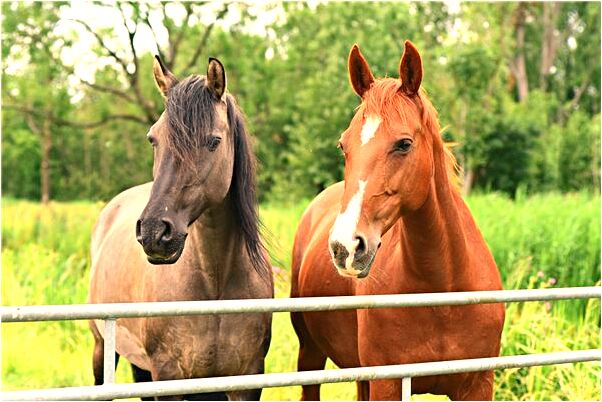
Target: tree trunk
point(467, 181)
point(595, 164)
point(45, 162)
point(549, 41)
point(467, 172)
point(517, 64)
point(88, 162)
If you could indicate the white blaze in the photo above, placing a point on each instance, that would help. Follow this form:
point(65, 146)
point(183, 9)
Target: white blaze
point(345, 226)
point(369, 128)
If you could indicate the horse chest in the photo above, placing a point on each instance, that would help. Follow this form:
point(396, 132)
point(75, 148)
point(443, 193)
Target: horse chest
point(190, 347)
point(407, 335)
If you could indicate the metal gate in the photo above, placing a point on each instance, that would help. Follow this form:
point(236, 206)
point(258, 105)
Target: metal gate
point(110, 312)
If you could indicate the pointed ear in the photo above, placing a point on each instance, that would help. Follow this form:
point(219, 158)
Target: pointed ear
point(410, 69)
point(216, 77)
point(360, 76)
point(163, 77)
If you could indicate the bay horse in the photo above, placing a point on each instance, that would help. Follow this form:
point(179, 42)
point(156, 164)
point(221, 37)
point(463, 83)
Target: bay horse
point(198, 226)
point(397, 224)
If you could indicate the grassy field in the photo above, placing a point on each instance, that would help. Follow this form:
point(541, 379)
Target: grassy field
point(541, 241)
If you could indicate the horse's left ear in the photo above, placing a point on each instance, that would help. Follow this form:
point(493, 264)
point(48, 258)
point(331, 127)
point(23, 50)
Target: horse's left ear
point(410, 69)
point(163, 77)
point(216, 77)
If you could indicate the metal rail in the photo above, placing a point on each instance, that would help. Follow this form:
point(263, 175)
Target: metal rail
point(109, 337)
point(110, 312)
point(179, 308)
point(235, 383)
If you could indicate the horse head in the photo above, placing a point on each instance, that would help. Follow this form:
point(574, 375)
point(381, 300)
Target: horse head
point(193, 148)
point(389, 163)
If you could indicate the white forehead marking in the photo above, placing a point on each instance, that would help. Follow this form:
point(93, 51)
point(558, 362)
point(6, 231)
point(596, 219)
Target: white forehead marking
point(345, 225)
point(369, 128)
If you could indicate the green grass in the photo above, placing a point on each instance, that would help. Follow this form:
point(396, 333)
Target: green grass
point(541, 241)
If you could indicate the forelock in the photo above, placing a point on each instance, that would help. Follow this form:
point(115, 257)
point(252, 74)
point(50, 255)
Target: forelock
point(190, 112)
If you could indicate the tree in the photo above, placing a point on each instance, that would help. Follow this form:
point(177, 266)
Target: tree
point(30, 37)
point(499, 74)
point(44, 100)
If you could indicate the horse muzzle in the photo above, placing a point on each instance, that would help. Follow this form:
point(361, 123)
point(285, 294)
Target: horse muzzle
point(161, 241)
point(355, 259)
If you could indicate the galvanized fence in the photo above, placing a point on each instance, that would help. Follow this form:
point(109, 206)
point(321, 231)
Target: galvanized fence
point(110, 312)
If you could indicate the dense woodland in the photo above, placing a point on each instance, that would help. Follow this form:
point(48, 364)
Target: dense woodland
point(517, 86)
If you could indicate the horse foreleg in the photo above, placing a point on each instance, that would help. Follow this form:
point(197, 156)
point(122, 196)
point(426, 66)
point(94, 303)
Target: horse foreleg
point(385, 390)
point(97, 362)
point(141, 375)
point(310, 357)
point(363, 390)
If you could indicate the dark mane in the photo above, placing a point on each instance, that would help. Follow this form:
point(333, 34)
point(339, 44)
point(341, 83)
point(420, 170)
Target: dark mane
point(244, 188)
point(190, 110)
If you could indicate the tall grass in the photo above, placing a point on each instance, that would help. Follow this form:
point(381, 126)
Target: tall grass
point(555, 234)
point(542, 241)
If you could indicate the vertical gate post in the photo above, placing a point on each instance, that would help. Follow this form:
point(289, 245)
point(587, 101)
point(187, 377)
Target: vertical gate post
point(406, 388)
point(109, 352)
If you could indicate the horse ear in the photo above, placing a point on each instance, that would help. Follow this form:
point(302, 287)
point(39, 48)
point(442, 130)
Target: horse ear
point(410, 69)
point(163, 77)
point(216, 77)
point(360, 76)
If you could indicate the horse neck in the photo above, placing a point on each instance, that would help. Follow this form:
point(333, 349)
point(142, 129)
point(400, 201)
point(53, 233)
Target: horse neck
point(433, 244)
point(217, 246)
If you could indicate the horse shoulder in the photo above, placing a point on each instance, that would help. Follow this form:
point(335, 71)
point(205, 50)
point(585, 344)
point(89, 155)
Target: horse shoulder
point(318, 216)
point(123, 205)
point(324, 206)
point(114, 234)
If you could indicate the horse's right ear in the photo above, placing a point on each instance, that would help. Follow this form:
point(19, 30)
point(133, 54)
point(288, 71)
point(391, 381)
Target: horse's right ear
point(410, 69)
point(360, 76)
point(163, 77)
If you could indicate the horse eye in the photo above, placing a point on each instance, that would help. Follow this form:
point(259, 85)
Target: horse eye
point(340, 146)
point(152, 140)
point(403, 146)
point(213, 143)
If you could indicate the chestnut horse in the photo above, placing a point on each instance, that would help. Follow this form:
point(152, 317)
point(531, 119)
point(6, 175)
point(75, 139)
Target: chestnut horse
point(396, 225)
point(198, 226)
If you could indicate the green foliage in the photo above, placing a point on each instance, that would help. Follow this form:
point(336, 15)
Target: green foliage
point(558, 235)
point(20, 162)
point(509, 144)
point(291, 80)
point(472, 68)
point(579, 153)
point(542, 241)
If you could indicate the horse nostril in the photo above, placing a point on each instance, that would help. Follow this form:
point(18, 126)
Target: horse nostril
point(168, 232)
point(139, 231)
point(361, 245)
point(339, 253)
point(334, 249)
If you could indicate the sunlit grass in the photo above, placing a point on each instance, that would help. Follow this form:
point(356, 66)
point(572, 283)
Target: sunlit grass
point(542, 241)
